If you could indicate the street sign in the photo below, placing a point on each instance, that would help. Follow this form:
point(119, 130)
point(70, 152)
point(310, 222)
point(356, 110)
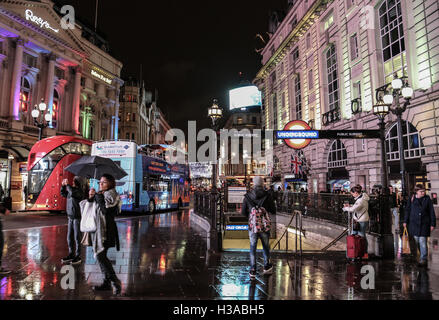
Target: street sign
point(350, 134)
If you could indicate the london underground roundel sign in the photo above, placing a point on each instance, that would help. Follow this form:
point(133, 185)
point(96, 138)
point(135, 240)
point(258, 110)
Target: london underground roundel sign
point(299, 127)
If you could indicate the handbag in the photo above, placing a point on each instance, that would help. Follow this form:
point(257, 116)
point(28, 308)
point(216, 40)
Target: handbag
point(88, 220)
point(405, 242)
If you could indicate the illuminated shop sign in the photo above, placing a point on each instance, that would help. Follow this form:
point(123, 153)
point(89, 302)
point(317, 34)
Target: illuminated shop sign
point(297, 135)
point(39, 21)
point(237, 228)
point(101, 77)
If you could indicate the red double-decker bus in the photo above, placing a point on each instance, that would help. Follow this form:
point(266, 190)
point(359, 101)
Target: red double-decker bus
point(46, 163)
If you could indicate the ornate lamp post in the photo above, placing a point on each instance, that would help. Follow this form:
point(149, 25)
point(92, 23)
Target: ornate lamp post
point(381, 110)
point(393, 93)
point(215, 113)
point(43, 121)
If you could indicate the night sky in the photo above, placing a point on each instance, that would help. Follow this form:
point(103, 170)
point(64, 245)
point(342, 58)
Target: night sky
point(191, 51)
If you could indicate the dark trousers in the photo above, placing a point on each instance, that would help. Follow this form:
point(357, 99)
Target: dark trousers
point(106, 266)
point(2, 242)
point(74, 236)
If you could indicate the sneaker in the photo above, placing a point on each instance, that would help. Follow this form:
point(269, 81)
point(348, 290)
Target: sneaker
point(117, 287)
point(268, 269)
point(4, 272)
point(68, 259)
point(77, 260)
point(252, 274)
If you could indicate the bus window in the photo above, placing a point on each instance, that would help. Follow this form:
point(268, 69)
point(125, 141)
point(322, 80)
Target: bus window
point(156, 183)
point(42, 170)
point(85, 149)
point(74, 148)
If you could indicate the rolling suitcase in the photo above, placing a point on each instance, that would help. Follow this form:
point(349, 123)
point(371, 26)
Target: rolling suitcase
point(356, 246)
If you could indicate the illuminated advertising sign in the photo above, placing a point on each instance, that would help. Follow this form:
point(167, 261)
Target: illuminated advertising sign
point(297, 134)
point(237, 228)
point(114, 149)
point(101, 77)
point(244, 97)
point(39, 21)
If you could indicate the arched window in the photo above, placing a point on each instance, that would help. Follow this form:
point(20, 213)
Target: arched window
point(413, 146)
point(55, 108)
point(392, 39)
point(338, 155)
point(24, 95)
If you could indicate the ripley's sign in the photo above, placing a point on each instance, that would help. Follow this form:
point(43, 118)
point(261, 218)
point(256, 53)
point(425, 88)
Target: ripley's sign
point(39, 21)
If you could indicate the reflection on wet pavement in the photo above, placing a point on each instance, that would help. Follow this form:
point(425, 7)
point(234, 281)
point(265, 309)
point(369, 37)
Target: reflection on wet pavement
point(166, 257)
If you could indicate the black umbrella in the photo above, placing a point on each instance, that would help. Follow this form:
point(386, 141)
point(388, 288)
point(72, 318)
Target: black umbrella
point(96, 167)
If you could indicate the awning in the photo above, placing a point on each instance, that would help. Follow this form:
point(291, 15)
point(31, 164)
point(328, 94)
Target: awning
point(20, 152)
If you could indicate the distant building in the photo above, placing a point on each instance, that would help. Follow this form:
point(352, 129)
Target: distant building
point(140, 118)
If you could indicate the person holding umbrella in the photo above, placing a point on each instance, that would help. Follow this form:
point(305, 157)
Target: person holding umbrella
point(108, 203)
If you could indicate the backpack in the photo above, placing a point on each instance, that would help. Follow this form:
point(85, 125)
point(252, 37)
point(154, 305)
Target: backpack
point(259, 220)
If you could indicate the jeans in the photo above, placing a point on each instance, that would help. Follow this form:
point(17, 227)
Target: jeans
point(362, 233)
point(74, 236)
point(265, 239)
point(106, 266)
point(423, 247)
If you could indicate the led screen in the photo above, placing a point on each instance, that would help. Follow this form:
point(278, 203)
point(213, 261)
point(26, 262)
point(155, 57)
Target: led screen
point(245, 97)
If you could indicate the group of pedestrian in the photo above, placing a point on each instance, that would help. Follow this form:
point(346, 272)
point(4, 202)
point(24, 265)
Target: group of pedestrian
point(103, 206)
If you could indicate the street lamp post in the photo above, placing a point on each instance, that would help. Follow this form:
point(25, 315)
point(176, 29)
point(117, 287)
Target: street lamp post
point(381, 110)
point(215, 113)
point(43, 121)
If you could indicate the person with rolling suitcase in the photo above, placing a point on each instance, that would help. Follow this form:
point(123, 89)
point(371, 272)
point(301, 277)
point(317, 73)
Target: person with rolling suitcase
point(357, 246)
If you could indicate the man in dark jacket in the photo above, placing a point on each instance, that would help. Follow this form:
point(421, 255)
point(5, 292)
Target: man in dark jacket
point(421, 220)
point(74, 195)
point(259, 197)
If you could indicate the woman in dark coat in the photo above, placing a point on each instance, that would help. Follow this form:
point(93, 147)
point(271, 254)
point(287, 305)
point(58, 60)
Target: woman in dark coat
point(421, 220)
point(108, 202)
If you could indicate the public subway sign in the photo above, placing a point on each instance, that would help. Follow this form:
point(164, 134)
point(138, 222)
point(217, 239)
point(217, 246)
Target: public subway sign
point(39, 21)
point(101, 77)
point(298, 134)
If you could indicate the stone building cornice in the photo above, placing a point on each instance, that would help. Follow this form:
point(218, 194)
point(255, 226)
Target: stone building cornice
point(302, 27)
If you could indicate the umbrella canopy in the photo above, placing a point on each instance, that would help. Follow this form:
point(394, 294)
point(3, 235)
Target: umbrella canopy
point(96, 167)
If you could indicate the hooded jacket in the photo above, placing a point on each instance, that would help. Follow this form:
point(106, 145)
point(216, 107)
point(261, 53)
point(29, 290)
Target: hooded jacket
point(257, 195)
point(360, 208)
point(420, 216)
point(74, 196)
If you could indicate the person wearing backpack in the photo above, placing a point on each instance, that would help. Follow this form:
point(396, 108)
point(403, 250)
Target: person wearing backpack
point(421, 220)
point(256, 207)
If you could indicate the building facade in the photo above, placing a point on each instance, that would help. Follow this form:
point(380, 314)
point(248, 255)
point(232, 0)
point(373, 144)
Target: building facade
point(140, 118)
point(323, 64)
point(70, 69)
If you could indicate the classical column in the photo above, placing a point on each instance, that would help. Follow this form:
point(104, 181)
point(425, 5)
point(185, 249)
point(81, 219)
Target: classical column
point(50, 84)
point(76, 102)
point(14, 111)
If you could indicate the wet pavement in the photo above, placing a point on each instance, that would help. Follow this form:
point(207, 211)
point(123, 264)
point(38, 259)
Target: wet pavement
point(165, 257)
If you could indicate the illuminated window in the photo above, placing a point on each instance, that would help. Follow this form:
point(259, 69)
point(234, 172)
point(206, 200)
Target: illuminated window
point(392, 39)
point(354, 47)
point(413, 145)
point(333, 86)
point(55, 108)
point(338, 155)
point(328, 22)
point(128, 117)
point(24, 95)
point(298, 98)
point(239, 120)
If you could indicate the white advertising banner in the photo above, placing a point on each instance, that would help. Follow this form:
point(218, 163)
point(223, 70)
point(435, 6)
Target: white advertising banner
point(114, 149)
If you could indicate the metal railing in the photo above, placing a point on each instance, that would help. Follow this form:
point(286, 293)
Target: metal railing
point(328, 207)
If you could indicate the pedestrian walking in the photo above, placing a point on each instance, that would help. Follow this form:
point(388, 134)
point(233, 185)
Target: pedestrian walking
point(257, 206)
point(420, 219)
point(108, 205)
point(360, 214)
point(4, 211)
point(74, 195)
